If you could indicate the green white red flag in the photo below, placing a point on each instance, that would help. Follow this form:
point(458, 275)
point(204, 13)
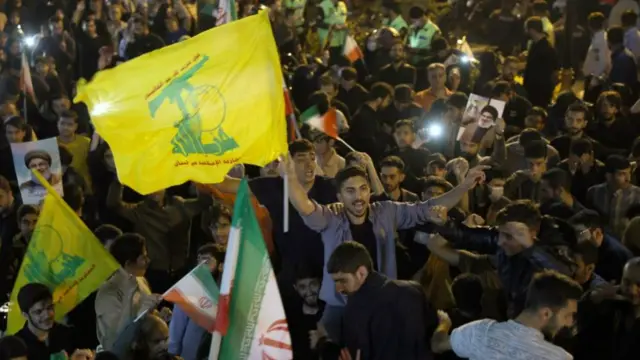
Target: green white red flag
point(327, 122)
point(251, 319)
point(197, 295)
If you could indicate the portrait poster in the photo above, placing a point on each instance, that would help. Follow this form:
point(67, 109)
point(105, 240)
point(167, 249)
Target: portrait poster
point(42, 156)
point(479, 118)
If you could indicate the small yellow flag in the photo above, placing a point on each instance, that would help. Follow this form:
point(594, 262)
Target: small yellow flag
point(193, 110)
point(62, 254)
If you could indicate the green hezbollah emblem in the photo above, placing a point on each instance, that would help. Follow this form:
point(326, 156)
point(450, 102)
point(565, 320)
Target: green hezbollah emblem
point(52, 267)
point(192, 127)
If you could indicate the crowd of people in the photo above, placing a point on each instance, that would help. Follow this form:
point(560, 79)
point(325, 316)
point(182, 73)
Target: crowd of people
point(409, 236)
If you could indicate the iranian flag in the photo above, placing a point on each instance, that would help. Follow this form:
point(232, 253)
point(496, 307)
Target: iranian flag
point(327, 122)
point(197, 295)
point(351, 49)
point(251, 321)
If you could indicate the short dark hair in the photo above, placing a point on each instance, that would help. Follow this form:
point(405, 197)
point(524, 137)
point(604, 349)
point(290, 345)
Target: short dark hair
point(588, 251)
point(587, 218)
point(579, 106)
point(612, 97)
point(557, 179)
point(528, 135)
point(596, 20)
point(12, 347)
point(304, 270)
point(69, 114)
point(218, 251)
point(615, 35)
point(536, 149)
point(538, 111)
point(501, 87)
point(107, 232)
point(351, 157)
point(127, 247)
point(551, 289)
point(581, 146)
point(616, 163)
point(416, 12)
point(534, 23)
point(348, 257)
point(523, 211)
point(140, 20)
point(300, 146)
point(380, 90)
point(467, 291)
point(434, 181)
point(405, 122)
point(392, 161)
point(73, 196)
point(26, 209)
point(31, 294)
point(629, 18)
point(347, 173)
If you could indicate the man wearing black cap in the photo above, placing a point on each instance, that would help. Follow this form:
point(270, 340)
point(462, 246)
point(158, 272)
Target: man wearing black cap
point(44, 338)
point(39, 160)
point(403, 107)
point(398, 71)
point(350, 92)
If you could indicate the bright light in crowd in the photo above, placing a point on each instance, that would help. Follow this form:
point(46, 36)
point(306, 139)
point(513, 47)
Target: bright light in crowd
point(100, 109)
point(30, 41)
point(435, 130)
point(464, 59)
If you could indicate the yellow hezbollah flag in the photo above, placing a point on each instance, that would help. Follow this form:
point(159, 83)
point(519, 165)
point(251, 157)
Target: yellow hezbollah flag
point(62, 254)
point(193, 110)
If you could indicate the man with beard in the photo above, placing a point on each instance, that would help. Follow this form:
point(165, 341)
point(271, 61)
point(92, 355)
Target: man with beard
point(613, 198)
point(184, 334)
point(540, 74)
point(16, 247)
point(555, 187)
point(44, 338)
point(585, 170)
point(403, 107)
point(373, 225)
point(437, 87)
point(383, 318)
point(366, 132)
point(61, 46)
point(414, 160)
point(392, 174)
point(398, 71)
point(509, 74)
point(144, 41)
point(525, 184)
point(41, 161)
point(515, 158)
point(552, 304)
point(609, 319)
point(575, 122)
point(305, 312)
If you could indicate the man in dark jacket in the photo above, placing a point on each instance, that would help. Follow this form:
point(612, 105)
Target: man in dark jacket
point(516, 246)
point(623, 64)
point(384, 319)
point(542, 64)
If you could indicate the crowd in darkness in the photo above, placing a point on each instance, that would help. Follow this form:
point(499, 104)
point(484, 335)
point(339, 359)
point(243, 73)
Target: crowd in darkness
point(417, 240)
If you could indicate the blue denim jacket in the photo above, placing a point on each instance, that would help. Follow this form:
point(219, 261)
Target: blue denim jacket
point(386, 217)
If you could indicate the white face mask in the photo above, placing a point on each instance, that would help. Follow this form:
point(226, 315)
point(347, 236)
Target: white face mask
point(496, 192)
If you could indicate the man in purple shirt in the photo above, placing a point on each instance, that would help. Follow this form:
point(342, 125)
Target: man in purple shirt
point(372, 225)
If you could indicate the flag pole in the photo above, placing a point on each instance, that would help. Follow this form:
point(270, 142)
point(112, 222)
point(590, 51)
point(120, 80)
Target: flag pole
point(346, 144)
point(226, 284)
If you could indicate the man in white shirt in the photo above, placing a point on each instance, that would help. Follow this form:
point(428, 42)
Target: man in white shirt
point(552, 304)
point(598, 62)
point(328, 160)
point(631, 32)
